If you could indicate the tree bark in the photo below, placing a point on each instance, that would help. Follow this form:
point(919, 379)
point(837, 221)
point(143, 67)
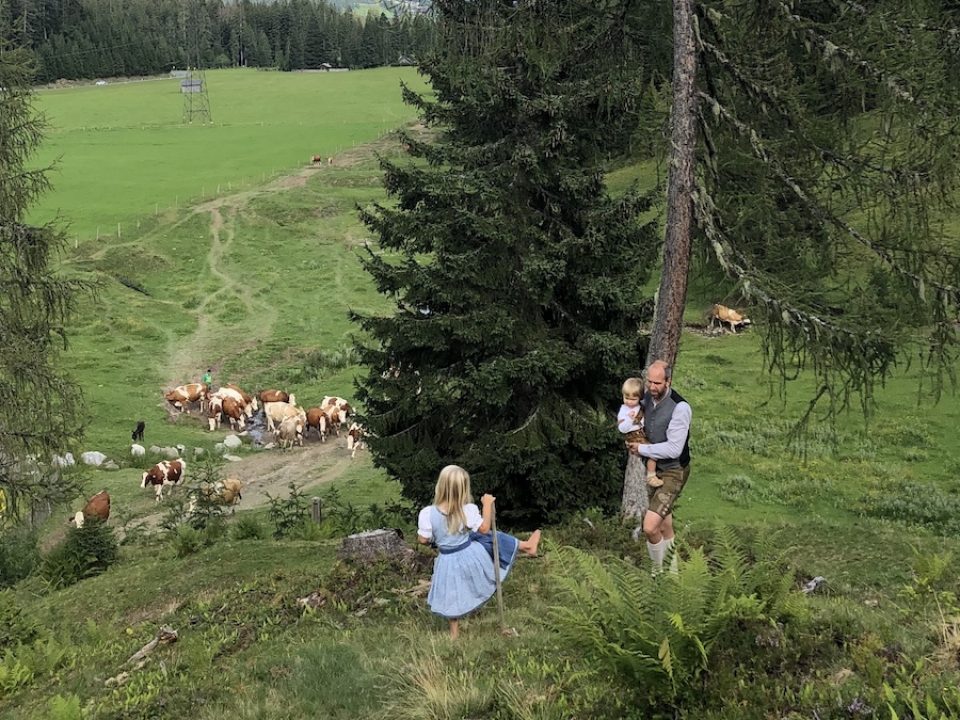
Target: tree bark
point(635, 493)
point(672, 295)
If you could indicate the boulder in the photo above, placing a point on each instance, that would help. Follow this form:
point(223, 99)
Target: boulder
point(155, 449)
point(137, 450)
point(65, 460)
point(109, 465)
point(219, 449)
point(170, 453)
point(232, 458)
point(93, 457)
point(198, 452)
point(232, 442)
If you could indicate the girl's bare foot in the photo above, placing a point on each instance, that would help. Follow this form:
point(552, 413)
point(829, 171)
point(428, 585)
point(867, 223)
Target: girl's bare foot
point(529, 546)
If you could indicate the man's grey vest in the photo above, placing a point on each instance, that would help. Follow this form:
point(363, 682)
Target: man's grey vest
point(656, 420)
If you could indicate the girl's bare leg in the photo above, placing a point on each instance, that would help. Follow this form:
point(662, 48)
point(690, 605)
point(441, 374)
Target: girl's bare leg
point(454, 629)
point(529, 546)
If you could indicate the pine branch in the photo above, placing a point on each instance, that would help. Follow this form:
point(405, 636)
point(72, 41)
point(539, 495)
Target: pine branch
point(921, 282)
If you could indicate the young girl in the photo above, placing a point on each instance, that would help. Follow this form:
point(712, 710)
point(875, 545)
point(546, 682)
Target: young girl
point(630, 423)
point(463, 576)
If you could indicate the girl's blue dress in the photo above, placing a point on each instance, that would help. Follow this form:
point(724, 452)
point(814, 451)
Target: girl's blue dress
point(463, 578)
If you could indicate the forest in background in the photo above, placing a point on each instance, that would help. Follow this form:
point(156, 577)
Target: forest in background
point(76, 39)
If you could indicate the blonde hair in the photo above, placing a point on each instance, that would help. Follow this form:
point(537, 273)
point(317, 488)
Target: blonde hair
point(633, 387)
point(453, 491)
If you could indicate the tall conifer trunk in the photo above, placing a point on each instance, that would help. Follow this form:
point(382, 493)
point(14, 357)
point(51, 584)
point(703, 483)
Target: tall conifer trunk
point(668, 320)
point(672, 296)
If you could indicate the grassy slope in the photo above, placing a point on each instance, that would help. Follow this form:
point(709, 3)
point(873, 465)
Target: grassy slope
point(246, 650)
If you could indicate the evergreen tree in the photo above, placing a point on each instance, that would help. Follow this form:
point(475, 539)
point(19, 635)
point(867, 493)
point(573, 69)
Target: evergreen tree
point(517, 278)
point(39, 407)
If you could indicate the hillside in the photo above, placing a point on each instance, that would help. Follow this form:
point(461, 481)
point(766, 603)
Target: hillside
point(255, 283)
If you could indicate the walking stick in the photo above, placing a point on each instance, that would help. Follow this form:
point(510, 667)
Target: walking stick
point(496, 562)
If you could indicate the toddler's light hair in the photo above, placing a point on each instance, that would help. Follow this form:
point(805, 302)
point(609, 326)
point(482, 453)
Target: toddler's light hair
point(633, 387)
point(453, 491)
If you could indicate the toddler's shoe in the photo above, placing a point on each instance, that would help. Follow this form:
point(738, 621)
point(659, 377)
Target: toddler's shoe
point(654, 481)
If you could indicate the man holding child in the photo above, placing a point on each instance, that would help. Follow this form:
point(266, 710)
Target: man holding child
point(667, 419)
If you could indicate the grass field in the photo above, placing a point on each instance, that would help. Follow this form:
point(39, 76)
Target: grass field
point(122, 154)
point(257, 282)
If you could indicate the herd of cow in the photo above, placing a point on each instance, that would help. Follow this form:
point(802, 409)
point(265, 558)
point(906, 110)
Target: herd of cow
point(284, 418)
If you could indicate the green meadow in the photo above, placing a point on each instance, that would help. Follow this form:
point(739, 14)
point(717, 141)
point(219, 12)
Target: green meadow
point(121, 152)
point(256, 281)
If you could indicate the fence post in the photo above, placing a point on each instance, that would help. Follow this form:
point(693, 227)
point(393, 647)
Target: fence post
point(316, 510)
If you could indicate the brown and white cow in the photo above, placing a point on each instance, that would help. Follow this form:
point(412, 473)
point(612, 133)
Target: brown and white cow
point(233, 409)
point(342, 406)
point(97, 507)
point(266, 396)
point(289, 431)
point(277, 412)
point(165, 472)
point(214, 410)
point(181, 395)
point(356, 438)
point(247, 398)
point(317, 418)
point(222, 492)
point(721, 316)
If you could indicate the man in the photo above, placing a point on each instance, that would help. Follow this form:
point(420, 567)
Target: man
point(667, 423)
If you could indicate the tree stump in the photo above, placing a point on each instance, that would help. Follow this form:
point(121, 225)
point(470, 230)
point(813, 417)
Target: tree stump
point(373, 545)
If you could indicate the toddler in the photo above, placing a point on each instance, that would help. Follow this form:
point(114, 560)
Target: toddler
point(630, 423)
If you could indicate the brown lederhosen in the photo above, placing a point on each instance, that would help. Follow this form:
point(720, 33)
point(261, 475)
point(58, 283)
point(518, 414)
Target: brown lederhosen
point(661, 499)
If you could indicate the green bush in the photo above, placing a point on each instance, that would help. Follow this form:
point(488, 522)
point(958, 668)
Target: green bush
point(288, 514)
point(85, 552)
point(738, 489)
point(19, 555)
point(17, 625)
point(915, 504)
point(247, 527)
point(187, 540)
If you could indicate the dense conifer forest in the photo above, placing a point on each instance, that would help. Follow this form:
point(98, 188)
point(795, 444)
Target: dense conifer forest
point(74, 39)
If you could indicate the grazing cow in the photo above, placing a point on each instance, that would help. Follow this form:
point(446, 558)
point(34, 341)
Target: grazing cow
point(266, 396)
point(342, 406)
point(222, 492)
point(97, 507)
point(137, 433)
point(165, 472)
point(289, 431)
point(316, 159)
point(277, 412)
point(721, 315)
point(180, 396)
point(317, 418)
point(356, 438)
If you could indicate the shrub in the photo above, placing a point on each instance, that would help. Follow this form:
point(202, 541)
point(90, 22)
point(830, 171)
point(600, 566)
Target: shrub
point(289, 513)
point(187, 540)
point(17, 625)
point(19, 555)
point(85, 552)
point(738, 489)
point(247, 527)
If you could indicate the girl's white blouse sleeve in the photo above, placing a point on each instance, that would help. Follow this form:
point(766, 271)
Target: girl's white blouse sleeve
point(474, 518)
point(424, 528)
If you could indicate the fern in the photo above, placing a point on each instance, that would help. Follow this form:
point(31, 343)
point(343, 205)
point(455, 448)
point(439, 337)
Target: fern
point(658, 633)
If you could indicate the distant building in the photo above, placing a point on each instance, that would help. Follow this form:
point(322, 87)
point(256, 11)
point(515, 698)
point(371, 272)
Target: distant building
point(191, 85)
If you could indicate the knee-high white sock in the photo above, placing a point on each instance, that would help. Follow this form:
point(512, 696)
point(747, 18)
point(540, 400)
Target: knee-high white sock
point(655, 551)
point(670, 550)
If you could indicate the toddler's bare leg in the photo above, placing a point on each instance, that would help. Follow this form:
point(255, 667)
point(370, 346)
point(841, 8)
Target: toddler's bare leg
point(454, 629)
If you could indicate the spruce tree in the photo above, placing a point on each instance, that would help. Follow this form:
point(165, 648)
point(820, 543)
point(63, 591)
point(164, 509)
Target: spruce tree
point(517, 278)
point(39, 407)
